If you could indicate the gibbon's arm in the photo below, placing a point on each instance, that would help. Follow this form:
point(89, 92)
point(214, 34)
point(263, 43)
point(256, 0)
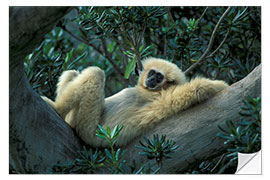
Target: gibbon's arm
point(178, 98)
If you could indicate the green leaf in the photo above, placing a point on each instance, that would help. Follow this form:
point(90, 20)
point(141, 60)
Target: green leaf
point(146, 49)
point(140, 170)
point(114, 131)
point(70, 66)
point(102, 131)
point(141, 48)
point(142, 147)
point(174, 148)
point(222, 129)
point(254, 139)
point(224, 136)
point(238, 131)
point(117, 154)
point(239, 14)
point(101, 136)
point(57, 63)
point(69, 55)
point(118, 131)
point(129, 54)
point(111, 46)
point(102, 15)
point(150, 142)
point(130, 68)
point(109, 131)
point(108, 154)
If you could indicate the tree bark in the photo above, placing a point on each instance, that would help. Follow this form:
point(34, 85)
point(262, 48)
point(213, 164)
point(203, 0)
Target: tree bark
point(195, 130)
point(38, 137)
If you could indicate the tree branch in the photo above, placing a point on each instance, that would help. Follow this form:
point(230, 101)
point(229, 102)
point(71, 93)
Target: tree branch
point(138, 42)
point(211, 42)
point(178, 34)
point(202, 15)
point(195, 130)
point(220, 45)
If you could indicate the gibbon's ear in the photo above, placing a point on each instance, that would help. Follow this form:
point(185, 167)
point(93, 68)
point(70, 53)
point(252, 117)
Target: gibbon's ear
point(137, 70)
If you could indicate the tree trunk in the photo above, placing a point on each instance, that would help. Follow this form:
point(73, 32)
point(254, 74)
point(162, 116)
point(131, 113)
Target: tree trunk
point(38, 137)
point(195, 130)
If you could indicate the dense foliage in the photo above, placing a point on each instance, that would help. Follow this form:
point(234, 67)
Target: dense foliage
point(117, 39)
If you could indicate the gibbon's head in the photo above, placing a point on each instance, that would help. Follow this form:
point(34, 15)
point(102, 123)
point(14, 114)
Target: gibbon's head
point(159, 73)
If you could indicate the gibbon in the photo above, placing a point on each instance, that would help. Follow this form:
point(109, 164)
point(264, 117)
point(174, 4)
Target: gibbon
point(161, 91)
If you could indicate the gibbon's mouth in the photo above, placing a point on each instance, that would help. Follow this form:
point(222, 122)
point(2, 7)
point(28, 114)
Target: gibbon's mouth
point(151, 88)
point(152, 84)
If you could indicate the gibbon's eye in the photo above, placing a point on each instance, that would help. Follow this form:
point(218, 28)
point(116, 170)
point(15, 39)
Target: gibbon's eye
point(151, 73)
point(159, 77)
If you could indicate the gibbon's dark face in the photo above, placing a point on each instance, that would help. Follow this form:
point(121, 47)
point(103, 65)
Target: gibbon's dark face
point(154, 79)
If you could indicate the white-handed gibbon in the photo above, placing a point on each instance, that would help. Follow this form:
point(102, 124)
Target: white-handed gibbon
point(161, 91)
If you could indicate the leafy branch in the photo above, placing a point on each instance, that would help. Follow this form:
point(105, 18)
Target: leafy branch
point(157, 149)
point(244, 137)
point(221, 44)
point(210, 44)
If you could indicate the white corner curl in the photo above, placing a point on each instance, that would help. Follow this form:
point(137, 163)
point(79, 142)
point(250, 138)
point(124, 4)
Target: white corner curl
point(249, 163)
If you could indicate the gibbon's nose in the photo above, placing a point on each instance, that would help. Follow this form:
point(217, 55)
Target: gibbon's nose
point(151, 83)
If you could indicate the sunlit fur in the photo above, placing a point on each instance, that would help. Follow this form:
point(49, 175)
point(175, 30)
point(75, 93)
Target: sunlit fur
point(80, 101)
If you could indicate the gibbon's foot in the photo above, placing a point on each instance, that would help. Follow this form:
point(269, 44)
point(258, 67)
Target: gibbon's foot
point(69, 74)
point(206, 88)
point(49, 101)
point(65, 78)
point(95, 74)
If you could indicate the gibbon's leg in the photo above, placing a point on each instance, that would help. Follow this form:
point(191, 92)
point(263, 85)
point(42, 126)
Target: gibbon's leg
point(90, 107)
point(84, 87)
point(179, 98)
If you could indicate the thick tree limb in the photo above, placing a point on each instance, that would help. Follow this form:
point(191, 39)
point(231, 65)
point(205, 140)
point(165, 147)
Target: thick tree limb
point(38, 137)
point(195, 129)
